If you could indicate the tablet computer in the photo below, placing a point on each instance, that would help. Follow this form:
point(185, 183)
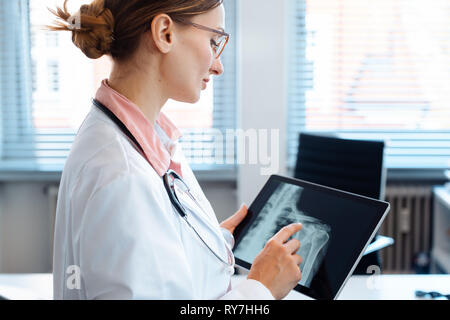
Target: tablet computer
point(337, 228)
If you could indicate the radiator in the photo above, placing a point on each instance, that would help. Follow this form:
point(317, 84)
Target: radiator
point(409, 223)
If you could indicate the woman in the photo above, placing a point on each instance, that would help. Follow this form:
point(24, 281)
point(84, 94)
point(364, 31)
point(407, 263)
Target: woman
point(115, 220)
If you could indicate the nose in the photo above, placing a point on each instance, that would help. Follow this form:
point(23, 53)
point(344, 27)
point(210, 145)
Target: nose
point(217, 67)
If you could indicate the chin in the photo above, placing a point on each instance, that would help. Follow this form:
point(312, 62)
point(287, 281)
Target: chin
point(190, 98)
point(194, 99)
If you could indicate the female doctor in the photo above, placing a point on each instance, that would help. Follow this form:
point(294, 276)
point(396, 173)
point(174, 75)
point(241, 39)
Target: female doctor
point(132, 221)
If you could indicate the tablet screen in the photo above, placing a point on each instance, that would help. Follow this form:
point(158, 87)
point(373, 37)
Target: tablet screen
point(336, 228)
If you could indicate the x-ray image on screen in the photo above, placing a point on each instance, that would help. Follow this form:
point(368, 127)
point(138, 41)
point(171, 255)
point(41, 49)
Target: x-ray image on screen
point(281, 210)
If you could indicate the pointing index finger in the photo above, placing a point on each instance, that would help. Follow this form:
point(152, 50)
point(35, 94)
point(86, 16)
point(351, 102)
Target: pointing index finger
point(286, 232)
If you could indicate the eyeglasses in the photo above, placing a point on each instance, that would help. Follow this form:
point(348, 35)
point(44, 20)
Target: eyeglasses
point(184, 202)
point(218, 45)
point(432, 294)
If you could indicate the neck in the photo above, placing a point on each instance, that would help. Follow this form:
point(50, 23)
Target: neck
point(144, 89)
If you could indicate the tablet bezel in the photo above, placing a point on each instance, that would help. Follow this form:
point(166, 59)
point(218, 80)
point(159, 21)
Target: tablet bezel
point(374, 225)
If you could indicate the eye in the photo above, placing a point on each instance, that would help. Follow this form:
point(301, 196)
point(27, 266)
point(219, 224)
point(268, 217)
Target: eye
point(214, 43)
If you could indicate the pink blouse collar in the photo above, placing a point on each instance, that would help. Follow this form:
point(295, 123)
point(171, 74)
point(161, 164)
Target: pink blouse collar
point(158, 155)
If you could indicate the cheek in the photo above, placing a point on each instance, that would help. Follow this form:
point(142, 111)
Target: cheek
point(206, 58)
point(197, 57)
point(185, 70)
point(201, 62)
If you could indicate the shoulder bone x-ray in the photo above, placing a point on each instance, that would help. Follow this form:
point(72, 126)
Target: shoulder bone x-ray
point(281, 210)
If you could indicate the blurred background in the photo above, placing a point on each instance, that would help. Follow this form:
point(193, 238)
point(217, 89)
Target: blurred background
point(348, 69)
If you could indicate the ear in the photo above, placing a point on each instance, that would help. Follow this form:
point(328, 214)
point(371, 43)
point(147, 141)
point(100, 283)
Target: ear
point(162, 32)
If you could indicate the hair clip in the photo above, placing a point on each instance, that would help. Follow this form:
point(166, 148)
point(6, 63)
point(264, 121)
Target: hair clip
point(74, 21)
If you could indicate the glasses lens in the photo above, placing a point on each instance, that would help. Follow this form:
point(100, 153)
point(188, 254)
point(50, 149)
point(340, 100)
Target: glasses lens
point(420, 293)
point(435, 294)
point(220, 45)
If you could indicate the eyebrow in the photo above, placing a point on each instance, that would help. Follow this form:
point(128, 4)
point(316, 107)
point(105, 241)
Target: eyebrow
point(221, 29)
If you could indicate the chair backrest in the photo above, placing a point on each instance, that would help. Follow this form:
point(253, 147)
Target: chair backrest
point(351, 165)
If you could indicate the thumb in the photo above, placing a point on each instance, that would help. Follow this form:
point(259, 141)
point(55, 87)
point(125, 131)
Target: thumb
point(240, 214)
point(232, 222)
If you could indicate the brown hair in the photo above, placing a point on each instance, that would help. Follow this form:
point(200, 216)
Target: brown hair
point(114, 27)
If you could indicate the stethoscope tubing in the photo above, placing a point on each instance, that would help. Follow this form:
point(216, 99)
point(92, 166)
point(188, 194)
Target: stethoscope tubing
point(166, 183)
point(184, 215)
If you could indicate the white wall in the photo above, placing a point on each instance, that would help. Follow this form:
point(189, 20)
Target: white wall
point(24, 228)
point(25, 241)
point(263, 85)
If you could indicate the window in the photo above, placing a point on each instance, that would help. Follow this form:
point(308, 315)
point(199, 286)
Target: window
point(376, 70)
point(33, 74)
point(60, 104)
point(53, 76)
point(32, 38)
point(51, 39)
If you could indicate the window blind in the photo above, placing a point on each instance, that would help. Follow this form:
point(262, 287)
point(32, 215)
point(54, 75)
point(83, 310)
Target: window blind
point(40, 136)
point(377, 70)
point(15, 82)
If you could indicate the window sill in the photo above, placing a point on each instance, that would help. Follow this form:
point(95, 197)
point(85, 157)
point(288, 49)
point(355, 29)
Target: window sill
point(23, 171)
point(409, 175)
point(432, 176)
point(10, 173)
point(210, 174)
point(29, 176)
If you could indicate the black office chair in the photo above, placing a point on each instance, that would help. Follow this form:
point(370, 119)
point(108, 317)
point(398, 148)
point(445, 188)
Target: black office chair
point(351, 165)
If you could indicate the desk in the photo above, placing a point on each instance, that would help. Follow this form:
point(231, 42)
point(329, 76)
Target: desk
point(382, 287)
point(27, 286)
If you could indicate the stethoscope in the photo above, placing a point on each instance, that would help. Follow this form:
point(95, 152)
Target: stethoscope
point(178, 191)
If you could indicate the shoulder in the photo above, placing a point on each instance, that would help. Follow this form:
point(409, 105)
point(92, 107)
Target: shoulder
point(101, 152)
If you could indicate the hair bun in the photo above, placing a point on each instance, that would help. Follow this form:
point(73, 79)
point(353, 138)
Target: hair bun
point(93, 34)
point(92, 27)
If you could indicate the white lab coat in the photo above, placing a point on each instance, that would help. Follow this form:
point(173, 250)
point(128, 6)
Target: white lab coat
point(116, 228)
